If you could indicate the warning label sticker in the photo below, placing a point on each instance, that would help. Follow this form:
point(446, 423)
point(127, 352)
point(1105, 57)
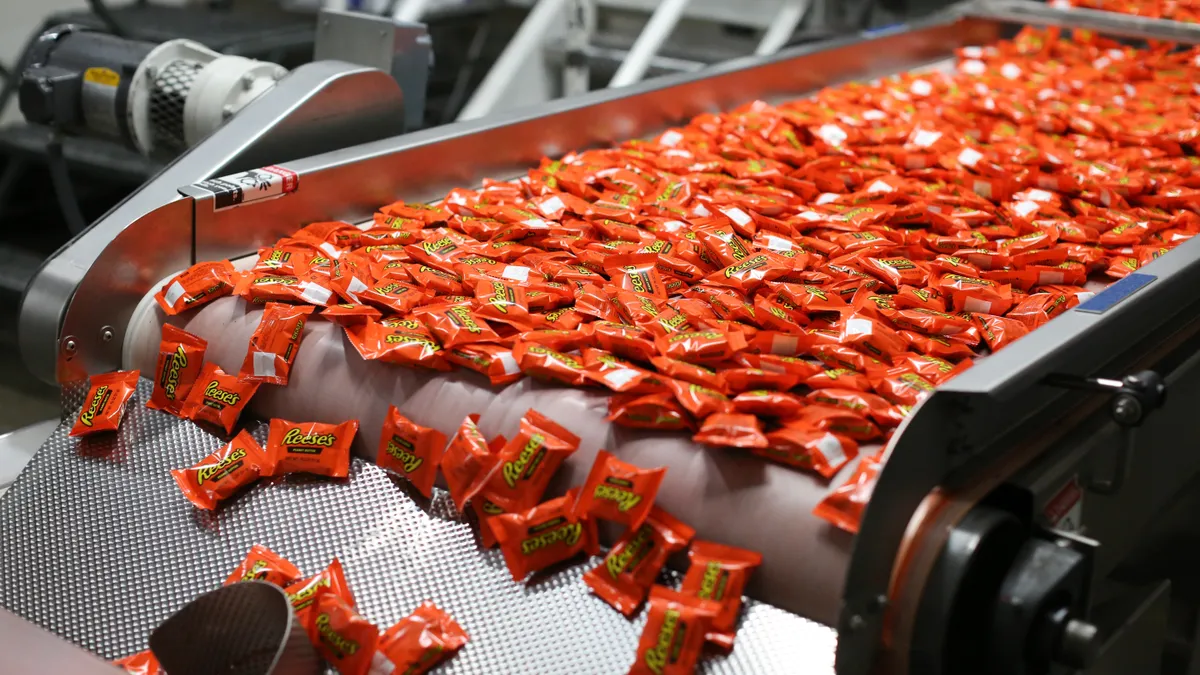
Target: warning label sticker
point(254, 185)
point(1064, 511)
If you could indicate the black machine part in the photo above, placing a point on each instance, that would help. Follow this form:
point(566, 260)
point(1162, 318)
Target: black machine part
point(1005, 599)
point(79, 81)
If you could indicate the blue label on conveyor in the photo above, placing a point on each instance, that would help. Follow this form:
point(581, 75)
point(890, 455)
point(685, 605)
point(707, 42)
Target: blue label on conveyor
point(1113, 295)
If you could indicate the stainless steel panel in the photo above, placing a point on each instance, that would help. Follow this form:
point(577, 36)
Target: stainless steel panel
point(317, 107)
point(98, 545)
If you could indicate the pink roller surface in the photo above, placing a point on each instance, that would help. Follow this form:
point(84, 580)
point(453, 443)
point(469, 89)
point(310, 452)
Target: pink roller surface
point(728, 496)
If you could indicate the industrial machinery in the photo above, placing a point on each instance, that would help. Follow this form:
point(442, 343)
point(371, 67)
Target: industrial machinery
point(1033, 517)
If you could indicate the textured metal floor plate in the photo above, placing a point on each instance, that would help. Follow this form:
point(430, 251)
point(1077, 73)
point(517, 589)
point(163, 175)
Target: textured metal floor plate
point(99, 546)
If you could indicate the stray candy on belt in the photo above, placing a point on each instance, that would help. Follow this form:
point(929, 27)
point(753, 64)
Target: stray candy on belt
point(420, 641)
point(180, 358)
point(525, 465)
point(719, 573)
point(104, 405)
point(141, 663)
point(263, 564)
point(222, 474)
point(304, 593)
point(674, 635)
point(410, 450)
point(623, 579)
point(310, 447)
point(619, 491)
point(217, 398)
point(275, 343)
point(468, 461)
point(341, 635)
point(546, 534)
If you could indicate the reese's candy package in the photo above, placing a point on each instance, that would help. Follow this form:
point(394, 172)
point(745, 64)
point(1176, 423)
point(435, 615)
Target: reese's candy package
point(141, 663)
point(648, 411)
point(310, 447)
point(733, 430)
point(420, 641)
point(180, 357)
point(263, 564)
point(636, 272)
point(349, 313)
point(268, 287)
point(275, 343)
point(456, 325)
point(805, 446)
point(342, 636)
point(304, 593)
point(546, 363)
point(104, 405)
point(630, 568)
point(525, 465)
point(844, 506)
point(222, 474)
point(719, 573)
point(410, 450)
point(467, 462)
point(548, 533)
point(195, 286)
point(767, 402)
point(396, 340)
point(619, 491)
point(706, 346)
point(217, 398)
point(676, 626)
point(496, 362)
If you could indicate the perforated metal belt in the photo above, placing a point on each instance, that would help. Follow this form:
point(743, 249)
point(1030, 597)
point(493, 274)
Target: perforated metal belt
point(98, 545)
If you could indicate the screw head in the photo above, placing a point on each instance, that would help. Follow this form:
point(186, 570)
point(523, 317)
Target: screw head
point(248, 81)
point(227, 112)
point(1126, 410)
point(857, 623)
point(106, 333)
point(69, 345)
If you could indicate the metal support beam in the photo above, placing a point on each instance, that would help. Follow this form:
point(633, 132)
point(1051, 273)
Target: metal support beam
point(522, 75)
point(777, 35)
point(662, 24)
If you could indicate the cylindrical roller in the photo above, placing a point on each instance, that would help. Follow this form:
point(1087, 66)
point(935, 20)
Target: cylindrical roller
point(727, 495)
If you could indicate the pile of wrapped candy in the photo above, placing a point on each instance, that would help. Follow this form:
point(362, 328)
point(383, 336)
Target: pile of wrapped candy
point(325, 606)
point(1187, 11)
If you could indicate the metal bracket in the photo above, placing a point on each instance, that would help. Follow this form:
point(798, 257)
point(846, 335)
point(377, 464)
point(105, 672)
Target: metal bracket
point(1133, 398)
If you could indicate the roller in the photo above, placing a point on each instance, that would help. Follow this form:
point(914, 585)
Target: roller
point(728, 496)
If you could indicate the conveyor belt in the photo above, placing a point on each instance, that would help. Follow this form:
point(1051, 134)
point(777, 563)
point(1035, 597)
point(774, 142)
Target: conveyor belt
point(100, 547)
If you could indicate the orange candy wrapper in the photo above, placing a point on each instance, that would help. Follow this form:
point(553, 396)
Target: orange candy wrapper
point(274, 344)
point(304, 593)
point(180, 358)
point(310, 447)
point(844, 506)
point(648, 411)
point(676, 625)
point(199, 284)
point(493, 361)
point(525, 465)
point(732, 430)
point(618, 491)
point(630, 568)
point(804, 446)
point(141, 663)
point(467, 462)
point(104, 405)
point(719, 573)
point(263, 564)
point(222, 474)
point(218, 398)
point(548, 533)
point(342, 637)
point(410, 450)
point(421, 640)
